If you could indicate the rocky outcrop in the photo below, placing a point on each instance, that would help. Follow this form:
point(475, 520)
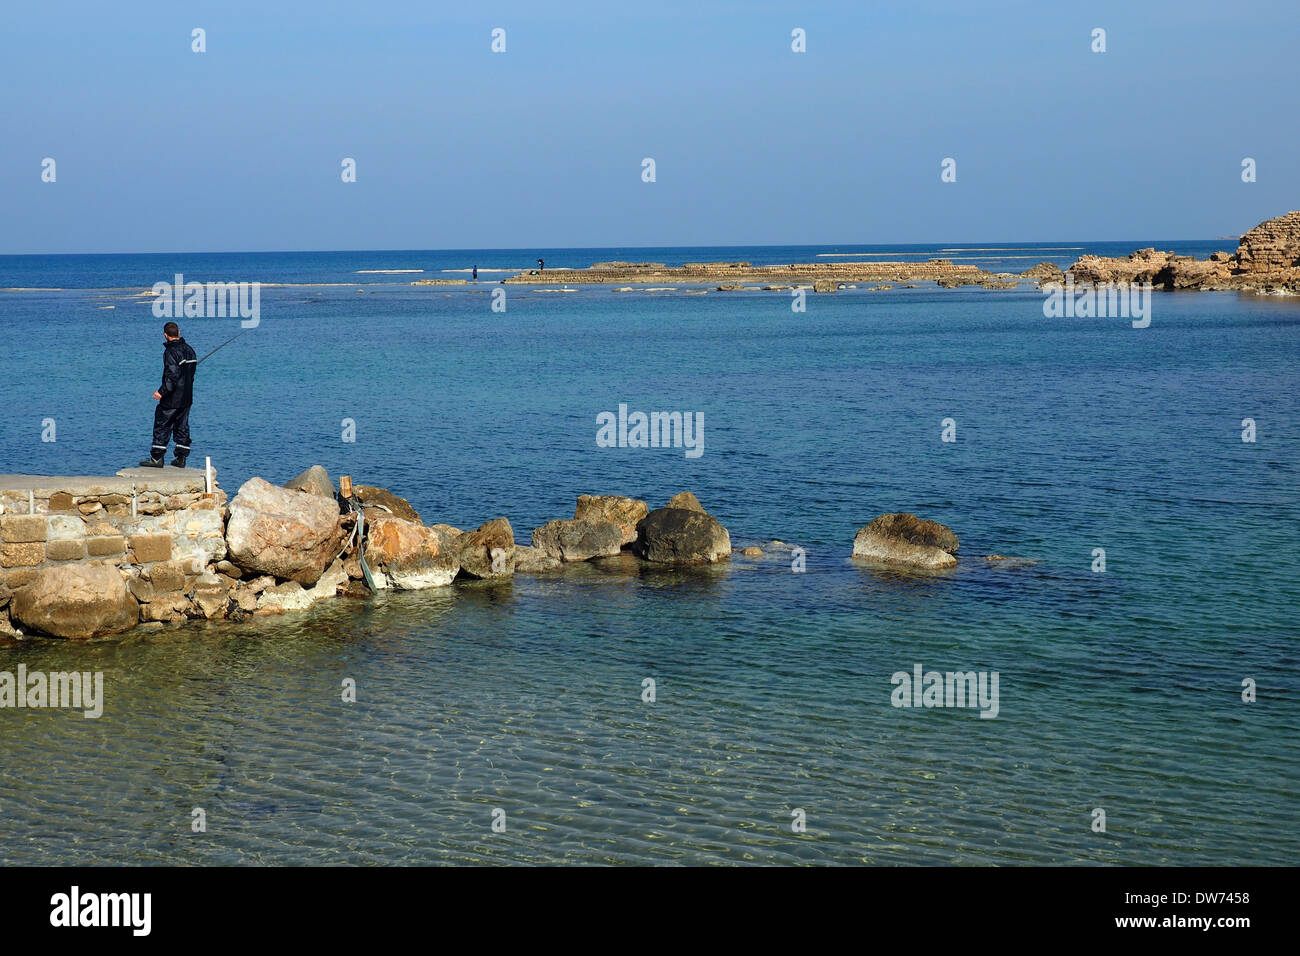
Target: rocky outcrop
point(1271, 247)
point(489, 551)
point(1267, 260)
point(575, 540)
point(682, 535)
point(408, 556)
point(76, 601)
point(289, 534)
point(624, 512)
point(738, 275)
point(904, 540)
point(315, 480)
point(1044, 272)
point(383, 501)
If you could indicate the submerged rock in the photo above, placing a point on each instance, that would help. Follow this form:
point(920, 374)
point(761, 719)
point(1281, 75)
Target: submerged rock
point(284, 533)
point(1002, 561)
point(76, 601)
point(624, 512)
point(904, 540)
point(574, 540)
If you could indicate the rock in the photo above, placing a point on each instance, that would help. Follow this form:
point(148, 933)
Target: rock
point(753, 552)
point(1272, 246)
point(292, 596)
point(573, 540)
point(682, 536)
point(7, 630)
point(230, 569)
point(315, 480)
point(1003, 561)
point(534, 560)
point(476, 550)
point(624, 512)
point(77, 601)
point(825, 285)
point(244, 599)
point(1044, 271)
point(907, 541)
point(211, 596)
point(380, 499)
point(282, 532)
point(167, 609)
point(142, 589)
point(686, 500)
point(447, 530)
point(409, 556)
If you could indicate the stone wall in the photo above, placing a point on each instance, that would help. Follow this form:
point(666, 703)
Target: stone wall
point(161, 534)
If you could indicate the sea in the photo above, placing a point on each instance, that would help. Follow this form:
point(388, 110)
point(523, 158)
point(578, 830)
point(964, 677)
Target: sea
point(1148, 705)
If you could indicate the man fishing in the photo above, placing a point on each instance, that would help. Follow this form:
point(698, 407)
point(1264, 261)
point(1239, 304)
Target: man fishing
point(172, 416)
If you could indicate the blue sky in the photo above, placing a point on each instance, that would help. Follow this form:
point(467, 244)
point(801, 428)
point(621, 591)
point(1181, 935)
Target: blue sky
point(160, 149)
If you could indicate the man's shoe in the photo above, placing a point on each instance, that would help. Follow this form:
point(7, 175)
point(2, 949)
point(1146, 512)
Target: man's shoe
point(178, 461)
point(152, 463)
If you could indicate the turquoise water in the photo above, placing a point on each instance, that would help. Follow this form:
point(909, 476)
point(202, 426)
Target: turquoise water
point(1118, 690)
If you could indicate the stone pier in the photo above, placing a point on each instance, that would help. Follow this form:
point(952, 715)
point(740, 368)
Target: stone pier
point(156, 530)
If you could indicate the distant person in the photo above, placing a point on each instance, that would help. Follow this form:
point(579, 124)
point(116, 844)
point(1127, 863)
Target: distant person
point(541, 265)
point(476, 273)
point(174, 397)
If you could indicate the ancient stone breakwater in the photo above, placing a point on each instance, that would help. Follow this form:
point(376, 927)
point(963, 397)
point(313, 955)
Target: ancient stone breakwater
point(86, 557)
point(1267, 261)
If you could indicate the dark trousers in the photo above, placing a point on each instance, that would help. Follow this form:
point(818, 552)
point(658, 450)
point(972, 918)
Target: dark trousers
point(168, 423)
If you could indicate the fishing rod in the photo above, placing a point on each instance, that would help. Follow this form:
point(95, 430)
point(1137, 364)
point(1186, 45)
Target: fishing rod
point(217, 349)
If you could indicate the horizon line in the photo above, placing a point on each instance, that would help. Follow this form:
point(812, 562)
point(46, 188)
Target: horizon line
point(533, 249)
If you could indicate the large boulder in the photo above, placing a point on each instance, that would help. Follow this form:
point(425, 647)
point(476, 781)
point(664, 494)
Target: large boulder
point(284, 533)
point(682, 536)
point(488, 551)
point(573, 540)
point(904, 540)
point(76, 600)
point(384, 501)
point(409, 556)
point(624, 512)
point(315, 480)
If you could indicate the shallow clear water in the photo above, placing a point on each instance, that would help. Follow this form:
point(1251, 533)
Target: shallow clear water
point(1118, 690)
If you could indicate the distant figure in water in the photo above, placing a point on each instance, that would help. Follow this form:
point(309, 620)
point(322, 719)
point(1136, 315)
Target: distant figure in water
point(541, 265)
point(476, 273)
point(174, 396)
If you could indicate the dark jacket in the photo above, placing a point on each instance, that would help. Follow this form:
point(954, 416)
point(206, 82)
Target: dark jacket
point(177, 387)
